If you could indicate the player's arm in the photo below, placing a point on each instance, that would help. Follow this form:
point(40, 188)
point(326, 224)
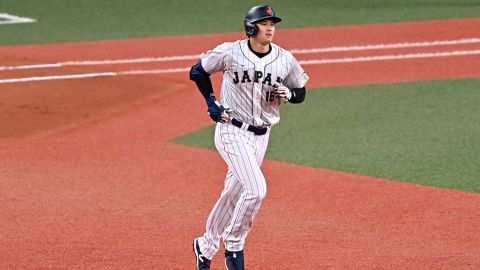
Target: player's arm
point(292, 95)
point(298, 95)
point(202, 80)
point(210, 62)
point(204, 84)
point(293, 87)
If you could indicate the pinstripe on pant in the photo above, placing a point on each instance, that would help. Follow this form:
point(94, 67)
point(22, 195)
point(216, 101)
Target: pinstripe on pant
point(245, 187)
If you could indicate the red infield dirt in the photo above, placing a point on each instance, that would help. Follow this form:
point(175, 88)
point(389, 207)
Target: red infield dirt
point(89, 180)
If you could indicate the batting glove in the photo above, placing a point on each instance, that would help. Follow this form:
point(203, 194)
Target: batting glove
point(216, 111)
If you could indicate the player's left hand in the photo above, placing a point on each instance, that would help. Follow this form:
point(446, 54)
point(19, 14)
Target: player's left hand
point(282, 92)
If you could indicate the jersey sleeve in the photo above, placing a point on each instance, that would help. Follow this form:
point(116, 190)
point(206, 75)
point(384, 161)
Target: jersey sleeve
point(297, 77)
point(216, 60)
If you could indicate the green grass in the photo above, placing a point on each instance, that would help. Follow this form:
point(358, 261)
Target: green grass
point(420, 132)
point(426, 132)
point(73, 20)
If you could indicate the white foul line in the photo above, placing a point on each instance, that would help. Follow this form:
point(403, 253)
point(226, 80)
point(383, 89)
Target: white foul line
point(154, 71)
point(294, 51)
point(93, 75)
point(59, 77)
point(389, 57)
point(131, 61)
point(31, 66)
point(104, 62)
point(304, 62)
point(389, 46)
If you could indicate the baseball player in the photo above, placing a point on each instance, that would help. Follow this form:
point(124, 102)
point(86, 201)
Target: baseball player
point(258, 77)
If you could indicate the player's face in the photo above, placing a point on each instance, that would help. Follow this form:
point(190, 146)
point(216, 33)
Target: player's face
point(266, 31)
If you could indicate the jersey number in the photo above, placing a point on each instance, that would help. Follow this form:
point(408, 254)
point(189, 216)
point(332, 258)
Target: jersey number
point(269, 96)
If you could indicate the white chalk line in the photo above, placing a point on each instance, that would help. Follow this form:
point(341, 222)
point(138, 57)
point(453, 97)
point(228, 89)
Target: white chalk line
point(93, 75)
point(294, 51)
point(103, 62)
point(6, 18)
point(389, 46)
point(389, 57)
point(59, 77)
point(304, 62)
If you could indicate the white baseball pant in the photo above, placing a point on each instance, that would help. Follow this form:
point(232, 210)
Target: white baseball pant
point(245, 187)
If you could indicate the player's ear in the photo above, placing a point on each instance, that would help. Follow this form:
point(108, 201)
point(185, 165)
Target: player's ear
point(251, 29)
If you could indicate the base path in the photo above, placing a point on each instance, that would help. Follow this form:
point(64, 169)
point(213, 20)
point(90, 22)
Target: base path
point(89, 180)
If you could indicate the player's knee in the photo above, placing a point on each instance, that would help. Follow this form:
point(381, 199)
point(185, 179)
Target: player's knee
point(257, 196)
point(259, 193)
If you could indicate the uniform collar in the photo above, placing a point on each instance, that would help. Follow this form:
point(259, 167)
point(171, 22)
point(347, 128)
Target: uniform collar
point(260, 55)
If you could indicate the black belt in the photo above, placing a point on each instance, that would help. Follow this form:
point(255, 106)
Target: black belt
point(256, 130)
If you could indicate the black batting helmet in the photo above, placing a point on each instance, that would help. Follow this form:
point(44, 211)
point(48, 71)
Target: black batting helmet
point(256, 14)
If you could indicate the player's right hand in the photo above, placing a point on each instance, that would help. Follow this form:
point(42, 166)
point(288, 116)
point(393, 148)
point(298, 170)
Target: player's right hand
point(216, 111)
point(225, 118)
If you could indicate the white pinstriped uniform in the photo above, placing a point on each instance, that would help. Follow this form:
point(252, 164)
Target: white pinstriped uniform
point(247, 89)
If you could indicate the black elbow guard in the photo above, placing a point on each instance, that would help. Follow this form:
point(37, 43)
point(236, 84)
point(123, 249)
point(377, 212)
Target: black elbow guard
point(197, 72)
point(201, 79)
point(192, 72)
point(298, 95)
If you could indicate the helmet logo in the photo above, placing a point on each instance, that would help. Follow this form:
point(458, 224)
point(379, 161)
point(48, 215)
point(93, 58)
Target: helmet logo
point(269, 10)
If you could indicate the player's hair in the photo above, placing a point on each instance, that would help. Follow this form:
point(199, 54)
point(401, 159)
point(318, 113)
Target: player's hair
point(256, 14)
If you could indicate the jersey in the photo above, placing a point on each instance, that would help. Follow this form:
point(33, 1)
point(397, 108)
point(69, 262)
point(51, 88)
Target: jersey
point(248, 80)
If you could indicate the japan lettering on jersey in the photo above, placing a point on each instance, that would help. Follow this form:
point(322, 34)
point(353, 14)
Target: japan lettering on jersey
point(248, 80)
